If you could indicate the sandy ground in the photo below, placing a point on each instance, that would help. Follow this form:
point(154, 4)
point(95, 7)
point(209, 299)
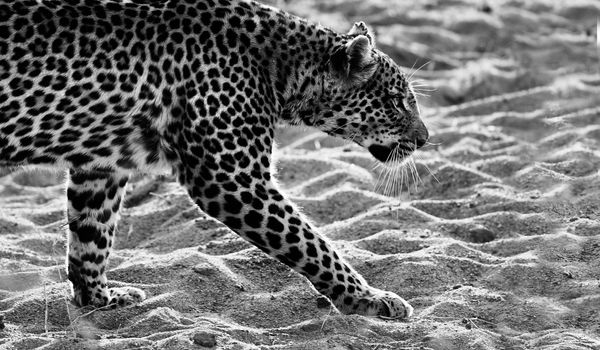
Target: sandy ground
point(497, 247)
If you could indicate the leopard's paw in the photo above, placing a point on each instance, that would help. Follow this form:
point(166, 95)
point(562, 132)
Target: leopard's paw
point(108, 298)
point(386, 305)
point(125, 296)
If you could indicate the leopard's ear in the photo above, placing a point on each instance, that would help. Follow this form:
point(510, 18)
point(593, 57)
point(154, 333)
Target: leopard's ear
point(360, 28)
point(354, 62)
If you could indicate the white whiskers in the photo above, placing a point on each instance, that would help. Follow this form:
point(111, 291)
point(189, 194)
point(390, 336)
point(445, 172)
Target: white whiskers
point(410, 75)
point(395, 174)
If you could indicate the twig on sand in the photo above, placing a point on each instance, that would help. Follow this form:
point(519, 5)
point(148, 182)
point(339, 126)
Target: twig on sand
point(60, 278)
point(91, 312)
point(73, 325)
point(105, 307)
point(161, 196)
point(69, 222)
point(326, 317)
point(118, 328)
point(470, 323)
point(69, 315)
point(45, 309)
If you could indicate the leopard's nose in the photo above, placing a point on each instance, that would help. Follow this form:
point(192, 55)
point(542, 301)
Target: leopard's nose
point(420, 134)
point(421, 139)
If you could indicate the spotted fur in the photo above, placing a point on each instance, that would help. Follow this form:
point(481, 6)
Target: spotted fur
point(108, 87)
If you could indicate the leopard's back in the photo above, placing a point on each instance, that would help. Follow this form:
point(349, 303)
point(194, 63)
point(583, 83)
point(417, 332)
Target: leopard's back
point(85, 86)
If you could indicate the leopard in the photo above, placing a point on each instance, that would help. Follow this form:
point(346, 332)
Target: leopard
point(104, 89)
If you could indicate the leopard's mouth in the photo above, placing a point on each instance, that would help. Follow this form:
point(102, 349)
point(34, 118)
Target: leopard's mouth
point(395, 152)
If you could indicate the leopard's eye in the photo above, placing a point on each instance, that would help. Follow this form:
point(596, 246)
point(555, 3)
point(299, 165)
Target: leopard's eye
point(400, 101)
point(394, 98)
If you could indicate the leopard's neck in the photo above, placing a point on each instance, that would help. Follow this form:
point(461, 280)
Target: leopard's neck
point(296, 54)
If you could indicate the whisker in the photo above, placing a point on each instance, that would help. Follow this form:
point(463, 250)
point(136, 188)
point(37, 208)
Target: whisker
point(424, 89)
point(380, 169)
point(412, 174)
point(418, 180)
point(386, 182)
point(429, 171)
point(420, 83)
point(401, 177)
point(430, 144)
point(387, 175)
point(405, 181)
point(415, 165)
point(413, 73)
point(411, 68)
point(393, 189)
point(421, 90)
point(398, 194)
point(399, 181)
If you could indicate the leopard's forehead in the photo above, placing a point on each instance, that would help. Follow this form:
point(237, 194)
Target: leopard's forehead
point(390, 76)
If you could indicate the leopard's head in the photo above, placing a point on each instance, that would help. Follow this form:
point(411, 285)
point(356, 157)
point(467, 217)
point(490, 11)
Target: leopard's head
point(369, 100)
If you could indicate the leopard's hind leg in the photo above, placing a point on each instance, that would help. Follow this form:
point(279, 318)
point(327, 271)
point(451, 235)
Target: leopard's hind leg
point(94, 200)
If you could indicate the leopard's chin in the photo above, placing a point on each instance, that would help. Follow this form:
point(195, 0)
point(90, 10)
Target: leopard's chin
point(394, 154)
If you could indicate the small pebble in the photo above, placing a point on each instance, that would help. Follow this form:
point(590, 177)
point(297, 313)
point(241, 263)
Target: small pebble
point(203, 269)
point(88, 335)
point(205, 339)
point(486, 8)
point(310, 327)
point(481, 235)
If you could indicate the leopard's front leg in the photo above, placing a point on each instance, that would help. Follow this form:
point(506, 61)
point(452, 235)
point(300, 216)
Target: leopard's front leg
point(94, 201)
point(238, 191)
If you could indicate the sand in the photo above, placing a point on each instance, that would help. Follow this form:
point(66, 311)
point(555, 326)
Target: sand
point(497, 246)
